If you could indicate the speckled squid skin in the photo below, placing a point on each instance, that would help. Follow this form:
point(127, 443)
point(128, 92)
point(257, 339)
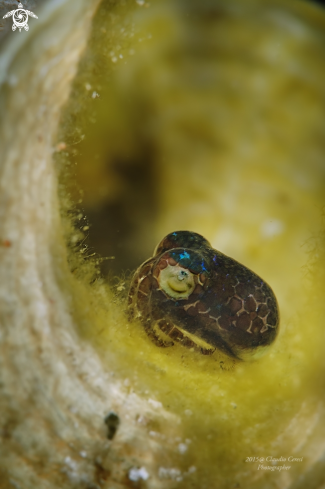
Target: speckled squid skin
point(229, 307)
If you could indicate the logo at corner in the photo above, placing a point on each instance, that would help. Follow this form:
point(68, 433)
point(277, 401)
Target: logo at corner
point(20, 18)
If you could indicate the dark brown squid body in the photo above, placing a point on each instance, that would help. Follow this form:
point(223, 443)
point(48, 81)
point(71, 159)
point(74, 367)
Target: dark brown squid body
point(228, 306)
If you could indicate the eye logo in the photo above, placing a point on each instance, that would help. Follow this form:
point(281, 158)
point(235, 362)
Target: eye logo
point(20, 18)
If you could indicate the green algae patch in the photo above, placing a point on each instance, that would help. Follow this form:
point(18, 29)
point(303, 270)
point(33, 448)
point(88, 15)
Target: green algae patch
point(189, 116)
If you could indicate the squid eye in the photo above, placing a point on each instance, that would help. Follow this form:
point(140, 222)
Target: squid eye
point(176, 281)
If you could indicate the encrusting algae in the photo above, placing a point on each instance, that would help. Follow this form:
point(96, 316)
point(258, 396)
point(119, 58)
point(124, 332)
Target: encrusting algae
point(215, 111)
point(203, 116)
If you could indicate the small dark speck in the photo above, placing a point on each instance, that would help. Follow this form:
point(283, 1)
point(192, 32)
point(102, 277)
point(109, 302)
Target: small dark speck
point(112, 421)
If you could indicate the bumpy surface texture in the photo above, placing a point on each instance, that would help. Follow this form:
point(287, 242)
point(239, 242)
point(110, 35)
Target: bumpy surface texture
point(203, 299)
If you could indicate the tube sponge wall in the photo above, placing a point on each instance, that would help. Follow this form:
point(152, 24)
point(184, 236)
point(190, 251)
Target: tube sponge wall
point(208, 117)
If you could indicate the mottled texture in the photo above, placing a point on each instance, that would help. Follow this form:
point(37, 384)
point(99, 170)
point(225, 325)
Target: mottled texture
point(229, 307)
